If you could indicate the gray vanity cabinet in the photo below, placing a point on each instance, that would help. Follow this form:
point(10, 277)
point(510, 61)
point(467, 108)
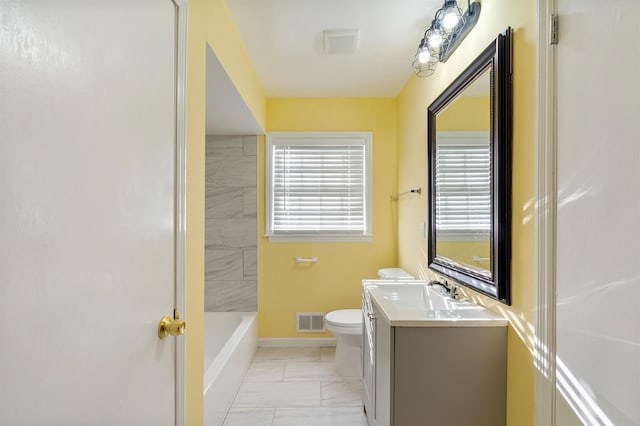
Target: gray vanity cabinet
point(440, 376)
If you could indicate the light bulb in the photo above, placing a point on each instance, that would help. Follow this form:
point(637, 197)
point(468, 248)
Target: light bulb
point(450, 19)
point(423, 56)
point(435, 40)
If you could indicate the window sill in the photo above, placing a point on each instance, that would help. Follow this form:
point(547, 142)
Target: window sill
point(313, 238)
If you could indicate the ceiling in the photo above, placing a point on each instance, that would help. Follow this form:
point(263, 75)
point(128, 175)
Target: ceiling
point(284, 41)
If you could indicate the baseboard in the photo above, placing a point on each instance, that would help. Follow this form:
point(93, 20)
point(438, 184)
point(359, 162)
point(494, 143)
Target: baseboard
point(293, 342)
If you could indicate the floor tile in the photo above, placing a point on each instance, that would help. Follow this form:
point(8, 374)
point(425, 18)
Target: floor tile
point(350, 416)
point(341, 394)
point(312, 371)
point(266, 371)
point(271, 353)
point(278, 394)
point(249, 417)
point(296, 386)
point(328, 353)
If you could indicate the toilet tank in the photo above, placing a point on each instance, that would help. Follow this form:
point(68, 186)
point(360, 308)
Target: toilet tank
point(394, 274)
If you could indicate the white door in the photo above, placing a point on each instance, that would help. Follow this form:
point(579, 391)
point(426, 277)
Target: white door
point(87, 166)
point(598, 221)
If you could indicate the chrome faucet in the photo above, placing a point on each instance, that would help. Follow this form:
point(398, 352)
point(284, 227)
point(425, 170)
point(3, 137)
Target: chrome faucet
point(451, 291)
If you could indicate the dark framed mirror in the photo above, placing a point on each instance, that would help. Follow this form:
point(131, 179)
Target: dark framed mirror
point(469, 166)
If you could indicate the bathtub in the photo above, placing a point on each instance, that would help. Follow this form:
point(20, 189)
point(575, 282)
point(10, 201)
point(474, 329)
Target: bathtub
point(230, 341)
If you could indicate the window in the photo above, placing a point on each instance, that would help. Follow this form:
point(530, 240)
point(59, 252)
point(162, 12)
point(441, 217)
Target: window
point(318, 187)
point(463, 186)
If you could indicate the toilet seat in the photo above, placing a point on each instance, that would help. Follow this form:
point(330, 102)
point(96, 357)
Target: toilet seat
point(345, 318)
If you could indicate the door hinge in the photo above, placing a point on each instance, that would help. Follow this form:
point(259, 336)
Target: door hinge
point(553, 29)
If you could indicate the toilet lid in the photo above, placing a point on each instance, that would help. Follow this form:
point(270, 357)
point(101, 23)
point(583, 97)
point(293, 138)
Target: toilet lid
point(345, 318)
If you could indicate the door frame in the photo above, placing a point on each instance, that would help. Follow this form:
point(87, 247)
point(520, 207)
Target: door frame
point(181, 8)
point(546, 218)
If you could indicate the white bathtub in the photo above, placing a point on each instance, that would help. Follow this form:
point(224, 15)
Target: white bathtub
point(230, 341)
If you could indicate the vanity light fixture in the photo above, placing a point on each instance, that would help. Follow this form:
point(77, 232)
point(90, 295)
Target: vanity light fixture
point(435, 36)
point(424, 63)
point(448, 28)
point(450, 16)
point(428, 52)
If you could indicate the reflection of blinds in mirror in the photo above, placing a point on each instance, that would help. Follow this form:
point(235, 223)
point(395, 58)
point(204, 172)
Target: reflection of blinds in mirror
point(463, 188)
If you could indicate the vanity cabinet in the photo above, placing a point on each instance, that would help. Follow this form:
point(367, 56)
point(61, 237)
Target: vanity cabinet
point(368, 358)
point(434, 375)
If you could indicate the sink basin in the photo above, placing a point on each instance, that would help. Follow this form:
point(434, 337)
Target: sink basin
point(417, 297)
point(424, 306)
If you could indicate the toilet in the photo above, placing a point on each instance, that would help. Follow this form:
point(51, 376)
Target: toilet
point(346, 326)
point(394, 274)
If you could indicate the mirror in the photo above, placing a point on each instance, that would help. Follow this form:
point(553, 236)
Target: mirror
point(470, 174)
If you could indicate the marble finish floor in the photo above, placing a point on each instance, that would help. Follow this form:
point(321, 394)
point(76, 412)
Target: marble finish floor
point(296, 387)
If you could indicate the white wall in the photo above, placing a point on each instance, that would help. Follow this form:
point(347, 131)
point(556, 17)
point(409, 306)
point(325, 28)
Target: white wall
point(598, 275)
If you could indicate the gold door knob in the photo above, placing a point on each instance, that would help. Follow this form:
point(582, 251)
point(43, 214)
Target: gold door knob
point(173, 327)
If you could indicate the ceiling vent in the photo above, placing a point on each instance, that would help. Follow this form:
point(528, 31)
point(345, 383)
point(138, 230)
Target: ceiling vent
point(340, 42)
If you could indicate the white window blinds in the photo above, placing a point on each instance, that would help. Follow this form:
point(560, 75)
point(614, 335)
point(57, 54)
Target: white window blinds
point(463, 186)
point(319, 186)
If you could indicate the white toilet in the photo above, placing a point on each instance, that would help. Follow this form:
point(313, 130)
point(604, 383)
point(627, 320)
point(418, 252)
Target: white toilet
point(394, 274)
point(346, 326)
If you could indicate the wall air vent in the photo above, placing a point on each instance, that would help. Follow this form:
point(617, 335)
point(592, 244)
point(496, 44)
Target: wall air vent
point(340, 42)
point(309, 322)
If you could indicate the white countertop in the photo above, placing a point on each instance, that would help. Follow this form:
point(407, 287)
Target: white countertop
point(414, 304)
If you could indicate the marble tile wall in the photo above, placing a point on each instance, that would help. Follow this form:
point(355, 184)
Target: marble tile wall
point(231, 224)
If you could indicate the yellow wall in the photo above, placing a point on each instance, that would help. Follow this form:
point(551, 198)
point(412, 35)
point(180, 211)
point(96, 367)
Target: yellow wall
point(399, 130)
point(334, 282)
point(208, 22)
point(413, 102)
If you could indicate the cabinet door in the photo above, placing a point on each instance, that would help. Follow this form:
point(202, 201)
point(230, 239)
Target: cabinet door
point(368, 363)
point(383, 369)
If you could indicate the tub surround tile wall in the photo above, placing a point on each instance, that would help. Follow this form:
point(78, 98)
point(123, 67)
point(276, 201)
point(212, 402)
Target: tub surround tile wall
point(250, 202)
point(231, 224)
point(230, 233)
point(231, 171)
point(230, 296)
point(225, 264)
point(229, 202)
point(250, 264)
